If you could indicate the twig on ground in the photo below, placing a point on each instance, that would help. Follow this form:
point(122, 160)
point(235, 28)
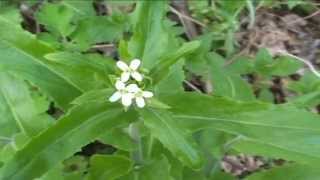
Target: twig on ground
point(192, 86)
point(304, 18)
point(310, 66)
point(98, 46)
point(186, 17)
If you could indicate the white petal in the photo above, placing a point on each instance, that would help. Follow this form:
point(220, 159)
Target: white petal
point(134, 65)
point(122, 65)
point(115, 97)
point(125, 76)
point(120, 85)
point(137, 76)
point(127, 99)
point(147, 94)
point(133, 88)
point(140, 102)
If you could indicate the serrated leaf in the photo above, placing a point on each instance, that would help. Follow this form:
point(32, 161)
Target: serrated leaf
point(22, 54)
point(87, 121)
point(163, 127)
point(108, 167)
point(264, 128)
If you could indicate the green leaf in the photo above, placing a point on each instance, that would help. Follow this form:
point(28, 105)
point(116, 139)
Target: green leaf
point(100, 95)
point(222, 175)
point(161, 69)
point(98, 29)
point(281, 66)
point(87, 121)
point(23, 55)
point(263, 62)
point(70, 169)
point(83, 70)
point(307, 100)
point(57, 18)
point(307, 84)
point(263, 128)
point(290, 171)
point(81, 8)
point(118, 138)
point(108, 167)
point(285, 65)
point(158, 169)
point(173, 82)
point(11, 13)
point(189, 174)
point(150, 36)
point(19, 110)
point(163, 127)
point(226, 83)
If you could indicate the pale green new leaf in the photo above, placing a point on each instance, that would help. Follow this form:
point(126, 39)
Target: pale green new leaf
point(22, 54)
point(80, 126)
point(163, 127)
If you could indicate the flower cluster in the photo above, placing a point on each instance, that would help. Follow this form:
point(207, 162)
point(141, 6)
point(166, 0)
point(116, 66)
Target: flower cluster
point(129, 92)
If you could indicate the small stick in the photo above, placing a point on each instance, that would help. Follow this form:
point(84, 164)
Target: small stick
point(186, 17)
point(310, 66)
point(192, 86)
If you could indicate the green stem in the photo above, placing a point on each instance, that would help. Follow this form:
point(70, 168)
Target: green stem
point(150, 145)
point(137, 154)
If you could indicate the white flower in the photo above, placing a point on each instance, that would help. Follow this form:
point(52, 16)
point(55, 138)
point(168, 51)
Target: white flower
point(130, 70)
point(140, 95)
point(125, 93)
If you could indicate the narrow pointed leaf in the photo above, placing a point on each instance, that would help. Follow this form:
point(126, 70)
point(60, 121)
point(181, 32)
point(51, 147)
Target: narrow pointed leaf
point(163, 126)
point(19, 110)
point(265, 129)
point(22, 54)
point(79, 127)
